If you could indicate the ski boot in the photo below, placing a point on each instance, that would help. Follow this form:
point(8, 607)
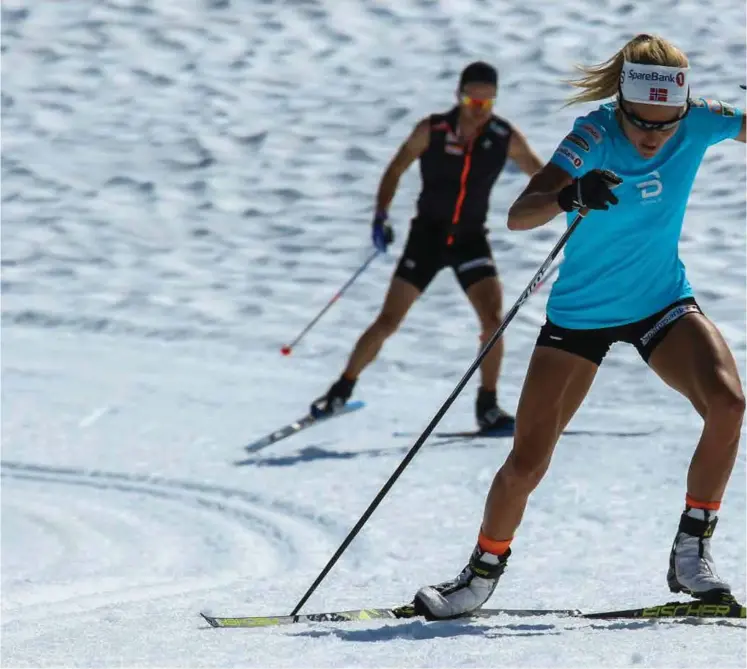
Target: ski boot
point(335, 398)
point(467, 592)
point(691, 566)
point(490, 417)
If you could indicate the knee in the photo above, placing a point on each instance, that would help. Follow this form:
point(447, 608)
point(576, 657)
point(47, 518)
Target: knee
point(386, 324)
point(726, 403)
point(525, 470)
point(489, 324)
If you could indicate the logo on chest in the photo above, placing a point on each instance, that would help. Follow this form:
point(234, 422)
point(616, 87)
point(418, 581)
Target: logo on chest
point(455, 147)
point(452, 145)
point(651, 188)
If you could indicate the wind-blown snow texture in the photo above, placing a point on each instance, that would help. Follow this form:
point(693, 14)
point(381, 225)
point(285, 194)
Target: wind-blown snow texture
point(184, 185)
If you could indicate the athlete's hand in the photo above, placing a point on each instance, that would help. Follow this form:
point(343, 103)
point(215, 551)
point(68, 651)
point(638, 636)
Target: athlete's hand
point(591, 191)
point(382, 233)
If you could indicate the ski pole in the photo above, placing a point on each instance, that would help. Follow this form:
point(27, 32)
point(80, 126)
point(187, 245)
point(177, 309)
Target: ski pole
point(287, 349)
point(444, 408)
point(554, 269)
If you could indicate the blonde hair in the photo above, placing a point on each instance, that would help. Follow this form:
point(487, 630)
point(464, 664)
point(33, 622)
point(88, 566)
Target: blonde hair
point(601, 81)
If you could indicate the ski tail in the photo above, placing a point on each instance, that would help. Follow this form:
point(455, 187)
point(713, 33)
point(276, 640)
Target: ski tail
point(691, 609)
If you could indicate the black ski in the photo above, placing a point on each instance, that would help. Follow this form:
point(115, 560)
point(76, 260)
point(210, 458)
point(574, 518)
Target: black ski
point(728, 609)
point(504, 433)
point(298, 425)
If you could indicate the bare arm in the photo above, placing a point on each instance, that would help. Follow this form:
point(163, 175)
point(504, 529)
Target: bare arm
point(522, 154)
point(538, 204)
point(410, 150)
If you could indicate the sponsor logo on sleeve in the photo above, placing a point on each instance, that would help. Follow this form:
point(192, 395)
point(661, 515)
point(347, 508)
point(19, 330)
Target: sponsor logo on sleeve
point(593, 132)
point(578, 141)
point(715, 106)
point(571, 156)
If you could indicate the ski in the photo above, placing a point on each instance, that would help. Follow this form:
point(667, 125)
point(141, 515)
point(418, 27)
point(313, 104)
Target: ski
point(728, 609)
point(396, 613)
point(301, 424)
point(509, 432)
point(272, 621)
point(465, 434)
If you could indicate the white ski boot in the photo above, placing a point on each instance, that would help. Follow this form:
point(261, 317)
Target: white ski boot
point(691, 566)
point(467, 592)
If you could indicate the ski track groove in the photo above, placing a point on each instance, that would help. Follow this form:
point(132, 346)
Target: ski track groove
point(284, 529)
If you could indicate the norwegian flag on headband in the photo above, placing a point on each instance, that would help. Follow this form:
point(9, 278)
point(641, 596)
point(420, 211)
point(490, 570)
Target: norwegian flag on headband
point(657, 94)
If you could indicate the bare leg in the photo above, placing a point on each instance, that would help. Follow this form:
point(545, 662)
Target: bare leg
point(400, 297)
point(555, 386)
point(695, 360)
point(487, 300)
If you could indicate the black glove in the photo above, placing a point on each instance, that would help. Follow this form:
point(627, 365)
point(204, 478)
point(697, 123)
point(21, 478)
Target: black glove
point(591, 191)
point(382, 233)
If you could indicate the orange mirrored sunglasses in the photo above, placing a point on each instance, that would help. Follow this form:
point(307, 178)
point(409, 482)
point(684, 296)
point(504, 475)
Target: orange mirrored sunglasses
point(478, 103)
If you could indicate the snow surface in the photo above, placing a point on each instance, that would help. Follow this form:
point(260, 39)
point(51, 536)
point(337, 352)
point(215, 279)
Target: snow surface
point(184, 185)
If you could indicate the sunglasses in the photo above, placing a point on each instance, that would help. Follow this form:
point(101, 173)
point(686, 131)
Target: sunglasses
point(643, 124)
point(477, 103)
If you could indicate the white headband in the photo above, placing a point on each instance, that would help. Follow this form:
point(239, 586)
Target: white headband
point(654, 84)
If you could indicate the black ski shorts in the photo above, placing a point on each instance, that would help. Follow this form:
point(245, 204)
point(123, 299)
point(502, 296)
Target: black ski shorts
point(426, 254)
point(593, 345)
